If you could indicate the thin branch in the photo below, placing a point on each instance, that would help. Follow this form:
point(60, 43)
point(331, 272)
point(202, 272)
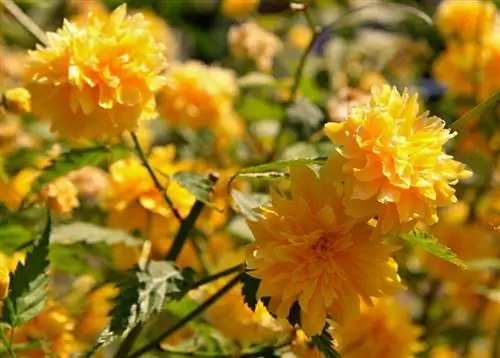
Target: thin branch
point(25, 21)
point(185, 320)
point(6, 342)
point(211, 278)
point(156, 181)
point(187, 224)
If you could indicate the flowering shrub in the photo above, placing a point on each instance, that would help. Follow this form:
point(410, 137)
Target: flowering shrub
point(250, 178)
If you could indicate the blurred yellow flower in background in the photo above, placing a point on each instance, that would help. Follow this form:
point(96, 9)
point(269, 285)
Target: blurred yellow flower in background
point(236, 8)
point(465, 20)
point(196, 95)
point(392, 161)
point(96, 80)
point(384, 330)
point(308, 251)
point(17, 100)
point(251, 41)
point(300, 36)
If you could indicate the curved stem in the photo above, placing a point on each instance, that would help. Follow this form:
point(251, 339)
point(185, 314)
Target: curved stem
point(211, 278)
point(156, 181)
point(185, 320)
point(6, 342)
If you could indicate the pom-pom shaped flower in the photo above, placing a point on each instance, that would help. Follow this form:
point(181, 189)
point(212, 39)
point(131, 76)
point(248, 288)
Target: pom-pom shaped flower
point(197, 95)
point(308, 251)
point(466, 20)
point(384, 330)
point(96, 80)
point(392, 161)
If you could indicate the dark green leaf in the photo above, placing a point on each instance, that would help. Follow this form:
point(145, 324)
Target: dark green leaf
point(325, 344)
point(28, 284)
point(431, 244)
point(476, 111)
point(275, 166)
point(13, 236)
point(69, 161)
point(247, 202)
point(197, 184)
point(249, 290)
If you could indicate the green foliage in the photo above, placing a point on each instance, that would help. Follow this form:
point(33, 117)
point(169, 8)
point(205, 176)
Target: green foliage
point(144, 292)
point(247, 202)
point(484, 264)
point(325, 344)
point(13, 236)
point(83, 232)
point(476, 111)
point(275, 166)
point(432, 245)
point(197, 184)
point(304, 112)
point(72, 160)
point(254, 108)
point(28, 284)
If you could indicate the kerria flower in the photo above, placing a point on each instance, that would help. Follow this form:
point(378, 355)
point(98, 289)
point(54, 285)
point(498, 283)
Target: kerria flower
point(465, 20)
point(308, 251)
point(391, 159)
point(99, 79)
point(384, 330)
point(196, 95)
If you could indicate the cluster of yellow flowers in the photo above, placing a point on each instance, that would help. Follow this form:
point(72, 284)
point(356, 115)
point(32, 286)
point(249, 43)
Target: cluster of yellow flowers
point(470, 65)
point(312, 249)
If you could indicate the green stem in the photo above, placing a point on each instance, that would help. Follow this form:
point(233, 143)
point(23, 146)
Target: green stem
point(128, 343)
point(186, 225)
point(296, 80)
point(25, 21)
point(214, 277)
point(251, 354)
point(156, 181)
point(185, 320)
point(6, 342)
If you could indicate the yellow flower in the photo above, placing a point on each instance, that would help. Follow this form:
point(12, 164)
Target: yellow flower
point(249, 40)
point(161, 32)
point(4, 282)
point(392, 161)
point(382, 331)
point(236, 8)
point(308, 251)
point(94, 317)
point(300, 36)
point(17, 100)
point(465, 20)
point(197, 95)
point(98, 80)
point(490, 67)
point(468, 242)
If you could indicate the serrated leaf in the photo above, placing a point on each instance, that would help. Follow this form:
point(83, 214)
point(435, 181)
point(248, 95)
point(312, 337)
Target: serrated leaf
point(144, 293)
point(304, 111)
point(249, 288)
point(79, 231)
point(247, 202)
point(28, 284)
point(276, 166)
point(267, 176)
point(69, 161)
point(197, 184)
point(432, 245)
point(476, 111)
point(325, 344)
point(13, 236)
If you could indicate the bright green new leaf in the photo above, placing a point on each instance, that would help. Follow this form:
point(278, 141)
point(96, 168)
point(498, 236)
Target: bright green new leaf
point(13, 236)
point(28, 284)
point(431, 244)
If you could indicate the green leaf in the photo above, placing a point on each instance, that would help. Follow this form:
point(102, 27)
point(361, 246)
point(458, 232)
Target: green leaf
point(69, 161)
point(13, 236)
point(28, 284)
point(256, 79)
point(305, 112)
point(197, 184)
point(432, 245)
point(145, 292)
point(476, 111)
point(247, 202)
point(275, 166)
point(325, 344)
point(257, 109)
point(91, 234)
